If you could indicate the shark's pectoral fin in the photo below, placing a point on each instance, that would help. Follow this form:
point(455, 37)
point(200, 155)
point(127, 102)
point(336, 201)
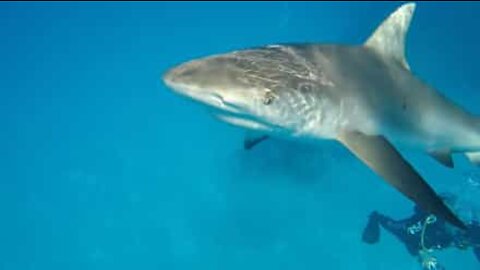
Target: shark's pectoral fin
point(443, 157)
point(389, 38)
point(386, 161)
point(252, 139)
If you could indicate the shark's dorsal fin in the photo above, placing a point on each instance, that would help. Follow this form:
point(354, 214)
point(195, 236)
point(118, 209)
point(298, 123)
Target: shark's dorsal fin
point(389, 38)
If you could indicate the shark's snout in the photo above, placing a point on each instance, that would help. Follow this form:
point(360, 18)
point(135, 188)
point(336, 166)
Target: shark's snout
point(198, 79)
point(169, 76)
point(205, 76)
point(182, 74)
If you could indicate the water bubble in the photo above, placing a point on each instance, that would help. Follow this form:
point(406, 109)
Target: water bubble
point(473, 179)
point(468, 192)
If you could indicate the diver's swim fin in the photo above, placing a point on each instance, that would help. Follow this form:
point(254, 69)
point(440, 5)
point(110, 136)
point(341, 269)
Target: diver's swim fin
point(371, 233)
point(386, 161)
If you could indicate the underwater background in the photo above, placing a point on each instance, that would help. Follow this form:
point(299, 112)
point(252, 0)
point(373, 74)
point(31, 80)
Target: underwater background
point(104, 168)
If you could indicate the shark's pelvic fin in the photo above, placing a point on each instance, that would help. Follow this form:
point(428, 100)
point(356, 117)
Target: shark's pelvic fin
point(474, 158)
point(386, 161)
point(443, 157)
point(252, 139)
point(389, 38)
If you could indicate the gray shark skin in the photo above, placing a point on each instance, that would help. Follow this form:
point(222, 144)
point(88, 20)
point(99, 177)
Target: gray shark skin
point(363, 96)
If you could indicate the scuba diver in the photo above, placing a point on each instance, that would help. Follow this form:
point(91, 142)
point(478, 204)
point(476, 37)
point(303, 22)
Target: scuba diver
point(423, 233)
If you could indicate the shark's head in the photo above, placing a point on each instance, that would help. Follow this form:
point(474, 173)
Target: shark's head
point(215, 81)
point(255, 89)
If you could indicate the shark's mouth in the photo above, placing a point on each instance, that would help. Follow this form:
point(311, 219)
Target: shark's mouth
point(208, 98)
point(244, 121)
point(238, 115)
point(227, 111)
point(221, 104)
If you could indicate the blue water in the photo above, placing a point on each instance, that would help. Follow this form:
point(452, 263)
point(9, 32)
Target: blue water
point(104, 168)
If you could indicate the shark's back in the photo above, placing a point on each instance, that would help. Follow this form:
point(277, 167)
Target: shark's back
point(391, 94)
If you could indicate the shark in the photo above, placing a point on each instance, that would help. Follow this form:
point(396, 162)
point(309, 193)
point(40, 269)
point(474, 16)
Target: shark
point(364, 96)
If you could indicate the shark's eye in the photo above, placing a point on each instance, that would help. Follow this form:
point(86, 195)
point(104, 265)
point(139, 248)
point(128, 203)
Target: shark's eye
point(305, 87)
point(268, 98)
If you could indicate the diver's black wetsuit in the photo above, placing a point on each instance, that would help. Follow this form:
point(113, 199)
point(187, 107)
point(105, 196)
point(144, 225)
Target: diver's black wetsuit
point(437, 234)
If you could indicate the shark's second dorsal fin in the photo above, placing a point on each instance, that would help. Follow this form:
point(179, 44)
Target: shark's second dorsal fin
point(389, 38)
